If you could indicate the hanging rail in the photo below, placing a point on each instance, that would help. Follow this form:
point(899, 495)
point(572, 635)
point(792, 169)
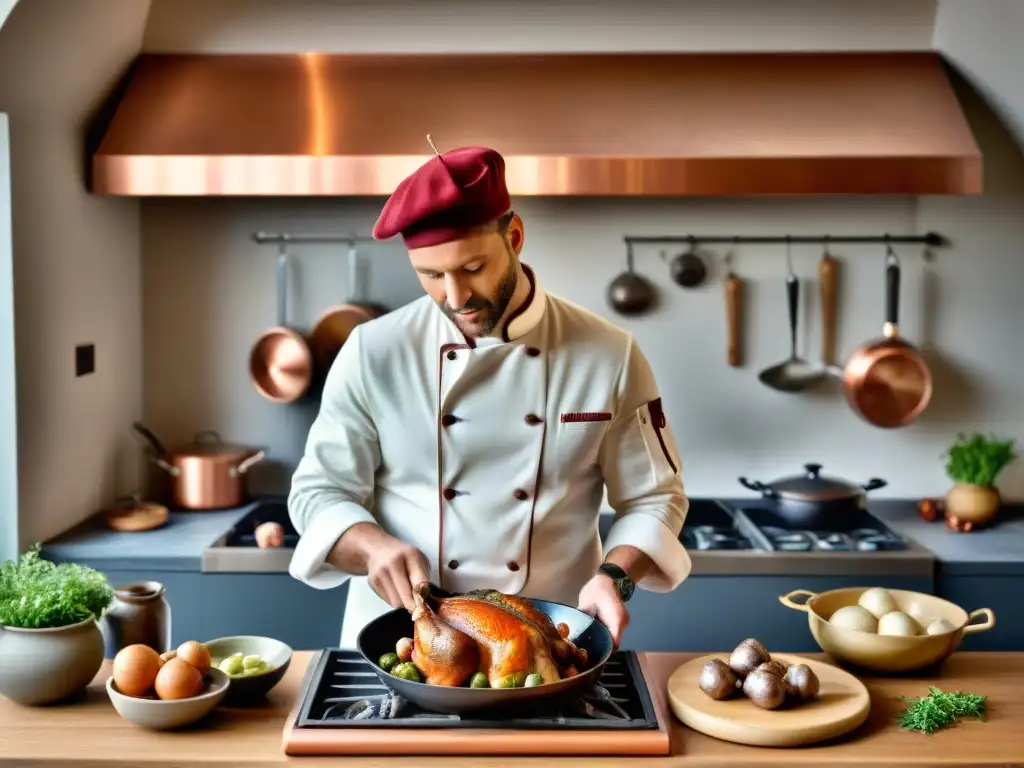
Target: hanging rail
point(286, 237)
point(929, 238)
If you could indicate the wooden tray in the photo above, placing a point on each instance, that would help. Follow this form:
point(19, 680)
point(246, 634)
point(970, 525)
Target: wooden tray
point(139, 516)
point(843, 703)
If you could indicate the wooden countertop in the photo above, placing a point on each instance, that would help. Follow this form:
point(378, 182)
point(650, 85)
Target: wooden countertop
point(90, 734)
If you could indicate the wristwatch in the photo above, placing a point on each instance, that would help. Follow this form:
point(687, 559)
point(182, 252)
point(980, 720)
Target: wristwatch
point(623, 583)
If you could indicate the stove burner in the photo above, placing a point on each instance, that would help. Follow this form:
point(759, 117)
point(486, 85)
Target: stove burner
point(862, 532)
point(344, 692)
point(705, 537)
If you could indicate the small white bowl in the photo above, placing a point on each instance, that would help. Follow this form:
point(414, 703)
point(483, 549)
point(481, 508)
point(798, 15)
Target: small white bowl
point(161, 715)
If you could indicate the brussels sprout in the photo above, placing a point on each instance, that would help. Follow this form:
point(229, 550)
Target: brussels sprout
point(532, 681)
point(479, 680)
point(388, 661)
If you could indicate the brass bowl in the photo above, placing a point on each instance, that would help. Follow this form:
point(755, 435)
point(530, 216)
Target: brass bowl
point(888, 653)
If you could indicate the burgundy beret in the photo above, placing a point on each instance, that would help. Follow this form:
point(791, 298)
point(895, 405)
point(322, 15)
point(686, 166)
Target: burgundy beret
point(444, 197)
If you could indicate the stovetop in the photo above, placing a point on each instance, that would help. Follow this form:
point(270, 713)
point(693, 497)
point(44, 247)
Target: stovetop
point(343, 691)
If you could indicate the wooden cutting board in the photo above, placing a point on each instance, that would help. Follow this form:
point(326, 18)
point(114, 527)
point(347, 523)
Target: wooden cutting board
point(843, 703)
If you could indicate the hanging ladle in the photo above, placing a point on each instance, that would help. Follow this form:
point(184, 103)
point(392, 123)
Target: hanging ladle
point(688, 269)
point(630, 293)
point(794, 374)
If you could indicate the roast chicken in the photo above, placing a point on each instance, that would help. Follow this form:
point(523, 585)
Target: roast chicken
point(503, 636)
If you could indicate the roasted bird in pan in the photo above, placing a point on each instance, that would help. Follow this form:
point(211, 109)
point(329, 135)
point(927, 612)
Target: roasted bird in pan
point(488, 636)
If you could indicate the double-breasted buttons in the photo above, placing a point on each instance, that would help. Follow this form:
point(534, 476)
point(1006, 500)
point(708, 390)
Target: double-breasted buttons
point(513, 566)
point(521, 494)
point(449, 493)
point(533, 419)
point(448, 419)
point(531, 351)
point(453, 564)
point(452, 354)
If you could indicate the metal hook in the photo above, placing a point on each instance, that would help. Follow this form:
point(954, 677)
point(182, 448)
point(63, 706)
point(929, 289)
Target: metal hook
point(789, 255)
point(430, 141)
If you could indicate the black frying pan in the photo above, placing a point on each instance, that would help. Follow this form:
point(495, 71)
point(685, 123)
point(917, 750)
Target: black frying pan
point(380, 636)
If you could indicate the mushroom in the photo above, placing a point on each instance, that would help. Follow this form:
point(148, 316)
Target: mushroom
point(765, 689)
point(801, 682)
point(747, 656)
point(717, 680)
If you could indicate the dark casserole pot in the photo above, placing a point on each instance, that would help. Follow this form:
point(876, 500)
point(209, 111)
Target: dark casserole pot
point(814, 500)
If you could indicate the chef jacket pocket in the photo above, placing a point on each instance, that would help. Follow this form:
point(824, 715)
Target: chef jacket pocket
point(584, 421)
point(652, 422)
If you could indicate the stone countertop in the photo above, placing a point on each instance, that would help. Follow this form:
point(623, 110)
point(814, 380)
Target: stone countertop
point(997, 550)
point(88, 733)
point(176, 546)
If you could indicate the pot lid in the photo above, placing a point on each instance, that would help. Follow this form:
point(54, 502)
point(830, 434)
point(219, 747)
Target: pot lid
point(209, 443)
point(812, 486)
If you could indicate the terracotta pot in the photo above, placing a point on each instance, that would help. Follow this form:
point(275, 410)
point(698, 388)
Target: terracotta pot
point(42, 666)
point(974, 504)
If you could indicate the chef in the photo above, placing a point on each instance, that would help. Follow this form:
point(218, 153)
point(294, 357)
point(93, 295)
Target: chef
point(469, 437)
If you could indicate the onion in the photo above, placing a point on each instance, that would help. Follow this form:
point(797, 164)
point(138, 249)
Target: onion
point(195, 654)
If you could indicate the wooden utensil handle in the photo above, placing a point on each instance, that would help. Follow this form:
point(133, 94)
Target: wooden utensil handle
point(734, 318)
point(827, 276)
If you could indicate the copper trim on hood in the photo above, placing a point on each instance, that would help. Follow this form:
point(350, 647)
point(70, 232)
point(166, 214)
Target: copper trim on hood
point(567, 124)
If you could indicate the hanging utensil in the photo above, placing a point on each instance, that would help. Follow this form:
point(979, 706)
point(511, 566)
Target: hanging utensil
point(334, 326)
point(887, 382)
point(280, 362)
point(793, 374)
point(733, 315)
point(630, 293)
point(688, 269)
point(828, 271)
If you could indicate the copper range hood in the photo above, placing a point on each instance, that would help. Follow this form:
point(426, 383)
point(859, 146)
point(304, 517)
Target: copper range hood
point(571, 125)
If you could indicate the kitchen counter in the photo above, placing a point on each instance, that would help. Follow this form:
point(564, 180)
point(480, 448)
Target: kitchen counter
point(90, 734)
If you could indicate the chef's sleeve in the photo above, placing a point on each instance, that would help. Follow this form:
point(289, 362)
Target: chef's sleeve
point(334, 480)
point(643, 476)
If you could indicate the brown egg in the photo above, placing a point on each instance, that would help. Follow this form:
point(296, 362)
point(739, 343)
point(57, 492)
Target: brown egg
point(765, 689)
point(195, 654)
point(747, 657)
point(801, 682)
point(717, 680)
point(135, 669)
point(178, 679)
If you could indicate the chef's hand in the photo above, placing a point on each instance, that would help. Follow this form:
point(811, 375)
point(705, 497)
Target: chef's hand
point(599, 597)
point(392, 567)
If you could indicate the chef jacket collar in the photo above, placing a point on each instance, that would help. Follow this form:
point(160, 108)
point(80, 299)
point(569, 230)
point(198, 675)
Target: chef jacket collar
point(526, 317)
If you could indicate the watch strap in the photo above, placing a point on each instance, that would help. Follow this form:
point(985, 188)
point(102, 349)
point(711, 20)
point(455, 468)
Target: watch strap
point(625, 585)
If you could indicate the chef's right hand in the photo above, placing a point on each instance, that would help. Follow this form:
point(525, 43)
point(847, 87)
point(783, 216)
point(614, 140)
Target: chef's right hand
point(392, 567)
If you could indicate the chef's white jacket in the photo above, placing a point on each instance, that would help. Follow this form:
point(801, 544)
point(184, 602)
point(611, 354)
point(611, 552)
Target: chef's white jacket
point(491, 456)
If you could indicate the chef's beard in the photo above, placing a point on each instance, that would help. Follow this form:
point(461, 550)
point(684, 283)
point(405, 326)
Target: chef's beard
point(493, 310)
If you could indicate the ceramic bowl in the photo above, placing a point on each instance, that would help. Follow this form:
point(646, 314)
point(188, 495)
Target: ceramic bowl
point(888, 653)
point(160, 715)
point(274, 652)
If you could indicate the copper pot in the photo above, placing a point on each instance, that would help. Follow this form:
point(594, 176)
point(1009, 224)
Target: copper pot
point(280, 362)
point(336, 324)
point(207, 473)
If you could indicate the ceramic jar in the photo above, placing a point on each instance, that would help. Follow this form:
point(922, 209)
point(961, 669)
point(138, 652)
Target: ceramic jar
point(971, 506)
point(42, 666)
point(139, 613)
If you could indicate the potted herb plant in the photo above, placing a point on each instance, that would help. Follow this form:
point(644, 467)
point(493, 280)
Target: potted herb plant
point(51, 646)
point(973, 463)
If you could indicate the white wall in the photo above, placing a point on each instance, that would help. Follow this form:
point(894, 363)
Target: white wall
point(208, 291)
point(982, 38)
point(76, 262)
point(8, 387)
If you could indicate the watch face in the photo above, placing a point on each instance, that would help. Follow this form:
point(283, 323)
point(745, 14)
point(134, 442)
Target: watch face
point(626, 588)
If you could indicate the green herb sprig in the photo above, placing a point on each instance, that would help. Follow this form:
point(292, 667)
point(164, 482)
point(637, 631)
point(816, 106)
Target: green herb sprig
point(939, 710)
point(978, 460)
point(37, 594)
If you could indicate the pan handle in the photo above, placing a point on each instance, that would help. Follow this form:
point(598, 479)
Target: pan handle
point(244, 466)
point(282, 286)
point(758, 486)
point(153, 440)
point(874, 484)
point(892, 293)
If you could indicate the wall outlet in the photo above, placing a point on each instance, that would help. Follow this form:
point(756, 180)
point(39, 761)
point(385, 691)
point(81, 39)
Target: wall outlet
point(85, 359)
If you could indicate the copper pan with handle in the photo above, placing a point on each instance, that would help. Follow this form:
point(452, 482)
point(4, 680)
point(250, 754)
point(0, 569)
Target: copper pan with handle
point(280, 362)
point(335, 325)
point(887, 382)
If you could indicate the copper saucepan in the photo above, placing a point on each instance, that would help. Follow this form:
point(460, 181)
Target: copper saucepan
point(280, 362)
point(887, 382)
point(206, 474)
point(332, 329)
